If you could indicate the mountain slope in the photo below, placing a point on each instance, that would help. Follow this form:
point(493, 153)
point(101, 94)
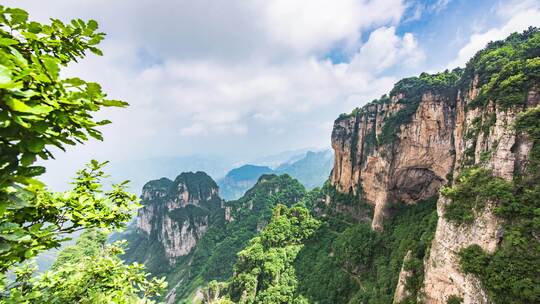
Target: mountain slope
point(312, 170)
point(240, 179)
point(186, 233)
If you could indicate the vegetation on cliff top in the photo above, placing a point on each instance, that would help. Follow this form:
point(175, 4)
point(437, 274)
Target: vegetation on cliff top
point(506, 69)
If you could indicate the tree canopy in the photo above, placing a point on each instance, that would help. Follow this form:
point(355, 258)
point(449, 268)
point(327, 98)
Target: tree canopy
point(39, 110)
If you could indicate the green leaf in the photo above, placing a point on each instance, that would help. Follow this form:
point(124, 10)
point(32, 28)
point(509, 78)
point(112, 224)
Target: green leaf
point(34, 27)
point(51, 64)
point(75, 81)
point(92, 24)
point(96, 51)
point(21, 122)
point(114, 103)
point(5, 75)
point(18, 15)
point(19, 106)
point(8, 41)
point(4, 247)
point(28, 159)
point(35, 145)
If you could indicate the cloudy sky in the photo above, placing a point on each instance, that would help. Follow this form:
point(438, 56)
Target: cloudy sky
point(243, 78)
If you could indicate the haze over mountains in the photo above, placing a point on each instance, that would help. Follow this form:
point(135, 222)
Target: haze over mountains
point(310, 168)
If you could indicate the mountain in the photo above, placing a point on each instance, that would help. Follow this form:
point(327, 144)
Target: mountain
point(274, 160)
point(433, 198)
point(470, 134)
point(176, 214)
point(310, 168)
point(188, 234)
point(240, 179)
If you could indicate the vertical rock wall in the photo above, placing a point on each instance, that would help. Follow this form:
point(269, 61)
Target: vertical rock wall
point(176, 213)
point(430, 148)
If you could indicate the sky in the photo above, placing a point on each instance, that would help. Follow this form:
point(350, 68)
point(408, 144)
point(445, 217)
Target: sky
point(245, 78)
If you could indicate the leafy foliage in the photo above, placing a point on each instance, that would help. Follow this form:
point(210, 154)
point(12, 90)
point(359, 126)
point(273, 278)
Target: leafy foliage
point(88, 272)
point(473, 188)
point(39, 110)
point(264, 272)
point(46, 218)
point(506, 69)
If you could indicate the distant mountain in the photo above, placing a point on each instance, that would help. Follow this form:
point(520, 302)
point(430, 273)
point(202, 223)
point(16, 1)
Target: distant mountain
point(238, 180)
point(275, 160)
point(310, 168)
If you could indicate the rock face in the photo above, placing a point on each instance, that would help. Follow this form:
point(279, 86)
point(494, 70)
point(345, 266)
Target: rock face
point(401, 292)
point(508, 150)
point(405, 147)
point(176, 213)
point(411, 168)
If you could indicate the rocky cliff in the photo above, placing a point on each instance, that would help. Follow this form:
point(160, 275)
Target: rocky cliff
point(188, 234)
point(175, 214)
point(408, 162)
point(405, 146)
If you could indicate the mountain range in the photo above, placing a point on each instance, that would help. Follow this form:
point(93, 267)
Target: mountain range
point(310, 168)
point(433, 197)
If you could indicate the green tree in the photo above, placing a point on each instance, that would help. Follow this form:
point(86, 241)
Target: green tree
point(89, 272)
point(264, 272)
point(38, 110)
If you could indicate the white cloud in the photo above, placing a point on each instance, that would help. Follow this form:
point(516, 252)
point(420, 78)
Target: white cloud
point(517, 15)
point(232, 77)
point(385, 49)
point(308, 25)
point(440, 5)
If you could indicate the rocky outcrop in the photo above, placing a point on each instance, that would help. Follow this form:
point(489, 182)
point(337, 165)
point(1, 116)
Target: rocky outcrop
point(506, 151)
point(411, 168)
point(437, 134)
point(176, 213)
point(406, 146)
point(401, 292)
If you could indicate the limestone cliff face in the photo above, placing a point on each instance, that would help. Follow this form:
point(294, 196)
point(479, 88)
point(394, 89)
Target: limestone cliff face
point(437, 138)
point(411, 168)
point(176, 213)
point(507, 153)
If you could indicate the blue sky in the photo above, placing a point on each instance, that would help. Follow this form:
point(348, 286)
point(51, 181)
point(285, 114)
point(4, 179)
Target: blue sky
point(247, 78)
